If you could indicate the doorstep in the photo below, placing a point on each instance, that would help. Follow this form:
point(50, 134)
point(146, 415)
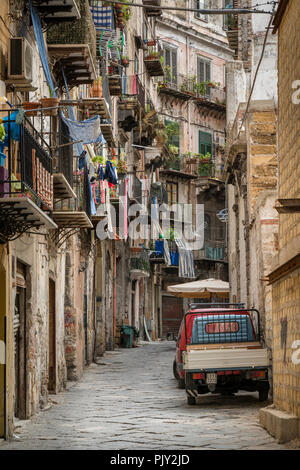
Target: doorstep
point(283, 426)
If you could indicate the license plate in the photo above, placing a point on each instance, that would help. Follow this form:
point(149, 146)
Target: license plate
point(211, 378)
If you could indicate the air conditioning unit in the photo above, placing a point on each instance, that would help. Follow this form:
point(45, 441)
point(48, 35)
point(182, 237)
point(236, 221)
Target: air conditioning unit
point(20, 60)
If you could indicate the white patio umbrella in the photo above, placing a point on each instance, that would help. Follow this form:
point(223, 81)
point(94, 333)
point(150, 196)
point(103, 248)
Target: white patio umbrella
point(199, 289)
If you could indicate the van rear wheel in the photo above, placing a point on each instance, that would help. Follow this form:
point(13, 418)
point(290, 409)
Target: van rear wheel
point(263, 394)
point(191, 400)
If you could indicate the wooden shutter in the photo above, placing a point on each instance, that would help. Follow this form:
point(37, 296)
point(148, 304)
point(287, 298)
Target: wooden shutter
point(205, 143)
point(174, 66)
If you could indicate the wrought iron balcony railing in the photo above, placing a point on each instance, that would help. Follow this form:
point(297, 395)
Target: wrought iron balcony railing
point(26, 162)
point(212, 250)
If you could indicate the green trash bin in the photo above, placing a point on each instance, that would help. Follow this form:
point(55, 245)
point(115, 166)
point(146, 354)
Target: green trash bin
point(127, 336)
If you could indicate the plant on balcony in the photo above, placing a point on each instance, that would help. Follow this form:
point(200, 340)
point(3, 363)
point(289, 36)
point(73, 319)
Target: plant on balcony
point(2, 133)
point(191, 157)
point(188, 84)
point(122, 167)
point(113, 69)
point(127, 13)
point(125, 60)
point(152, 55)
point(205, 164)
point(98, 159)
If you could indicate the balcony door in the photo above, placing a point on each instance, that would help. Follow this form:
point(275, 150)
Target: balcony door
point(170, 62)
point(204, 74)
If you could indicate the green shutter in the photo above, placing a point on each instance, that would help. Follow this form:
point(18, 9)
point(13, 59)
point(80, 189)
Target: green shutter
point(205, 143)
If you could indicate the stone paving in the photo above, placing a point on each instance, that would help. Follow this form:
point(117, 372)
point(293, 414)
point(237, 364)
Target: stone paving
point(129, 401)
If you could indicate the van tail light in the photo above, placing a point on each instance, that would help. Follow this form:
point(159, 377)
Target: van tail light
point(198, 376)
point(258, 374)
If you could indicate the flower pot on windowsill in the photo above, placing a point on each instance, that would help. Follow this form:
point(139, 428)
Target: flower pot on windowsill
point(31, 105)
point(150, 42)
point(50, 103)
point(125, 62)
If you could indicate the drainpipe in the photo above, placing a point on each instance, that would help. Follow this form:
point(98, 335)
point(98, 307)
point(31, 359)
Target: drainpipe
point(114, 291)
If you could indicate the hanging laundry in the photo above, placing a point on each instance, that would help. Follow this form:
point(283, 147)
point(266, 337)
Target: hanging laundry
point(88, 131)
point(100, 173)
point(110, 174)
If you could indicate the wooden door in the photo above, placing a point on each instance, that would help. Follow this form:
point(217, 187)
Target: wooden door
point(52, 338)
point(172, 313)
point(20, 345)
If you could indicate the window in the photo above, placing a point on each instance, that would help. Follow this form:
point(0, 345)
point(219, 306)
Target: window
point(201, 4)
point(173, 131)
point(207, 226)
point(204, 74)
point(205, 143)
point(136, 63)
point(172, 193)
point(222, 327)
point(170, 62)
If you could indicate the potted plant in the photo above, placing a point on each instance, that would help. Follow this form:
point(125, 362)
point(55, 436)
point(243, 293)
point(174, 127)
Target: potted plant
point(150, 42)
point(187, 85)
point(30, 105)
point(125, 60)
point(205, 164)
point(152, 55)
point(122, 168)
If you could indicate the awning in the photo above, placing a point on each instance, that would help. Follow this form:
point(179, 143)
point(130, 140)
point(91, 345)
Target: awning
point(199, 289)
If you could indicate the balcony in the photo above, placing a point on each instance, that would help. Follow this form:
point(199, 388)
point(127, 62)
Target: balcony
point(156, 11)
point(133, 101)
point(72, 47)
point(212, 251)
point(63, 165)
point(153, 64)
point(114, 79)
point(230, 25)
point(26, 181)
point(140, 266)
point(75, 213)
point(135, 189)
point(57, 11)
point(180, 87)
point(176, 166)
point(214, 98)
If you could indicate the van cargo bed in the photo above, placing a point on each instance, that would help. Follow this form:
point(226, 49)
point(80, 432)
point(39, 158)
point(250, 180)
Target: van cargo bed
point(225, 359)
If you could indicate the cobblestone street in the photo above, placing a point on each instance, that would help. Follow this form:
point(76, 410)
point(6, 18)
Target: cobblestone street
point(130, 401)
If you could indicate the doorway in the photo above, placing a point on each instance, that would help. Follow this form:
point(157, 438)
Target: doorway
point(52, 339)
point(172, 314)
point(20, 358)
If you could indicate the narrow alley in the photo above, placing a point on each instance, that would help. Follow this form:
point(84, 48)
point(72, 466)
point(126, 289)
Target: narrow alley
point(129, 400)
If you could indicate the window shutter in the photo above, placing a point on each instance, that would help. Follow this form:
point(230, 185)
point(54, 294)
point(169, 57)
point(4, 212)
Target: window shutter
point(205, 143)
point(174, 66)
point(201, 70)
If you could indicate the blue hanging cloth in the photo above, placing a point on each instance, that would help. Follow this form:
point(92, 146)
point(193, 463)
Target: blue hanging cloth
point(110, 174)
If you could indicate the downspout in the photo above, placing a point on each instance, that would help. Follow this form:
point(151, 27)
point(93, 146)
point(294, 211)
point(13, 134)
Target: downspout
point(114, 292)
